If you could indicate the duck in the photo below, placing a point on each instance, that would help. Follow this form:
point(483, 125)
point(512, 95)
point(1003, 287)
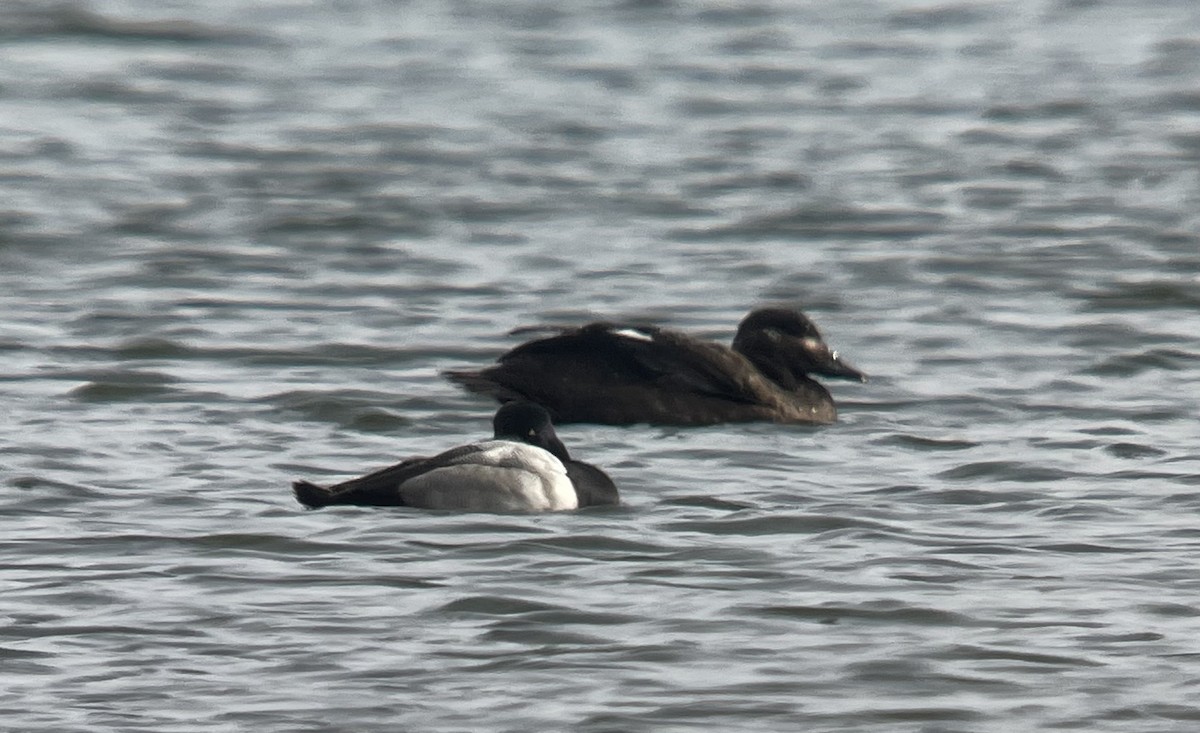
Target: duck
point(623, 374)
point(524, 468)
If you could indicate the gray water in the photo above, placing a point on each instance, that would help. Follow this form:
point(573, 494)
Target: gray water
point(238, 242)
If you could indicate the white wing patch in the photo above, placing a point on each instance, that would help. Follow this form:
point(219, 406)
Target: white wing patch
point(500, 476)
point(633, 333)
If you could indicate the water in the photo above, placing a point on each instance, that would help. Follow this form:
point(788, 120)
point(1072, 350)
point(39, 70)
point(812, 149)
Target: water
point(237, 245)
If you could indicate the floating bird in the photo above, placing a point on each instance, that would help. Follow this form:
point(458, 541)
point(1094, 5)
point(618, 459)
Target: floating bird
point(620, 374)
point(524, 468)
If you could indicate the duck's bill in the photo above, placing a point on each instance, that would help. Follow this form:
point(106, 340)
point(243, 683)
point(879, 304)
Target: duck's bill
point(822, 360)
point(839, 368)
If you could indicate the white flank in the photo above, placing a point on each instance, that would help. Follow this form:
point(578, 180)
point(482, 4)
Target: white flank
point(499, 476)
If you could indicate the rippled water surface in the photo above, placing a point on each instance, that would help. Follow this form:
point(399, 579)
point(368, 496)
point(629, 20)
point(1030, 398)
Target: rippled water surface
point(239, 241)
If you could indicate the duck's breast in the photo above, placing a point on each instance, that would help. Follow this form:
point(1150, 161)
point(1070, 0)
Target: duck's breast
point(494, 476)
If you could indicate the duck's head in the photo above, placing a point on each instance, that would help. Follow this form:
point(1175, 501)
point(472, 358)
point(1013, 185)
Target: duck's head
point(527, 422)
point(785, 345)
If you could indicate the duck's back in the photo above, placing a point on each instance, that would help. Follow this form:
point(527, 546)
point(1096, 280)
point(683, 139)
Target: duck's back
point(491, 476)
point(618, 374)
point(496, 476)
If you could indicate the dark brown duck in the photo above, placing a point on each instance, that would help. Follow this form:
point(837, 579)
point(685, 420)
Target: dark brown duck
point(620, 374)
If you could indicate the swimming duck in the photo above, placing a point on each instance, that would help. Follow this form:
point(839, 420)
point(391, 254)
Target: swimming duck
point(524, 468)
point(620, 374)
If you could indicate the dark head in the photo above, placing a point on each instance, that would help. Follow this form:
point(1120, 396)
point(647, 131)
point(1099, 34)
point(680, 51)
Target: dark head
point(527, 422)
point(785, 345)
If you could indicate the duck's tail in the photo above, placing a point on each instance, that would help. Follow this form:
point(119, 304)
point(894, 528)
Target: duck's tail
point(472, 381)
point(480, 382)
point(311, 495)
